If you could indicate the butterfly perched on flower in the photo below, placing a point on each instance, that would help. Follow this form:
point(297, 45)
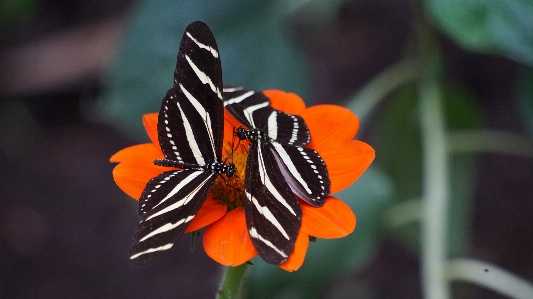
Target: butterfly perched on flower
point(190, 128)
point(183, 183)
point(278, 165)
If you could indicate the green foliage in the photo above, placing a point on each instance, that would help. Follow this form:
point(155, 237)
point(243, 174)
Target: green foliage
point(400, 155)
point(15, 14)
point(327, 260)
point(252, 41)
point(524, 92)
point(501, 27)
point(462, 112)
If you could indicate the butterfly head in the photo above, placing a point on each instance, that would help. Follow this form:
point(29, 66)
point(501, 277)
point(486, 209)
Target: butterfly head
point(229, 169)
point(251, 134)
point(241, 133)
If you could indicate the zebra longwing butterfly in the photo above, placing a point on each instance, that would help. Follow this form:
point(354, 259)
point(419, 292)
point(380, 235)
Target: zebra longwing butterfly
point(190, 129)
point(278, 165)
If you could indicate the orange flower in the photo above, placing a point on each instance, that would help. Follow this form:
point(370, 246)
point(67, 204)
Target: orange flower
point(226, 239)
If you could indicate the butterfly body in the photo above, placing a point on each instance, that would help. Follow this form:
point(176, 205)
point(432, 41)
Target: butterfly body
point(214, 167)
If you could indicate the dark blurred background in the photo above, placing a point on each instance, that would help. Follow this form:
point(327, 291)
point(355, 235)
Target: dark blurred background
point(69, 75)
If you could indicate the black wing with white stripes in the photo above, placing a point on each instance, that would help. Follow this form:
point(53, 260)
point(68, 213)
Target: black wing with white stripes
point(167, 205)
point(305, 172)
point(273, 215)
point(253, 109)
point(191, 118)
point(303, 168)
point(278, 165)
point(190, 129)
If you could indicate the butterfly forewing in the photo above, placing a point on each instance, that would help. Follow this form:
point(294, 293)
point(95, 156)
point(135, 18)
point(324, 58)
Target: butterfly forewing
point(191, 118)
point(305, 172)
point(253, 110)
point(245, 105)
point(273, 215)
point(167, 205)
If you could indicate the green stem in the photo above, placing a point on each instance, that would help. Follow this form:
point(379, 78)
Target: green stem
point(231, 282)
point(435, 189)
point(489, 276)
point(435, 192)
point(489, 141)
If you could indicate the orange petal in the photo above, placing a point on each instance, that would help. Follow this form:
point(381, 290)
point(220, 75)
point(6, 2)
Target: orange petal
point(227, 240)
point(296, 259)
point(211, 211)
point(132, 175)
point(287, 102)
point(346, 162)
point(334, 219)
point(145, 151)
point(330, 124)
point(230, 126)
point(150, 125)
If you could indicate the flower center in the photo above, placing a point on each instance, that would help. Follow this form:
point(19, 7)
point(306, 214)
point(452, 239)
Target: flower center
point(230, 190)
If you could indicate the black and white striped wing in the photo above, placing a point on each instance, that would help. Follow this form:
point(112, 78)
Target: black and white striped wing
point(191, 118)
point(190, 129)
point(166, 207)
point(303, 168)
point(273, 214)
point(305, 172)
point(253, 109)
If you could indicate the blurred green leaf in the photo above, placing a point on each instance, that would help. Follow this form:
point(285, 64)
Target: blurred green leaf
point(502, 27)
point(252, 41)
point(316, 13)
point(326, 260)
point(19, 131)
point(462, 112)
point(399, 148)
point(15, 14)
point(398, 142)
point(524, 90)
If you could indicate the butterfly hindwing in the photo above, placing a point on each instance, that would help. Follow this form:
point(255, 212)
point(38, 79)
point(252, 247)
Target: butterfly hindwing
point(273, 215)
point(305, 172)
point(191, 119)
point(167, 205)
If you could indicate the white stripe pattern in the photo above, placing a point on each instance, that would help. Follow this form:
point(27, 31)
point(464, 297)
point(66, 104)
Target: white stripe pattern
point(204, 114)
point(160, 248)
point(268, 215)
point(190, 138)
point(248, 112)
point(273, 125)
point(254, 234)
point(183, 201)
point(232, 89)
point(239, 98)
point(167, 227)
point(208, 48)
point(203, 77)
point(295, 127)
point(290, 166)
point(268, 183)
